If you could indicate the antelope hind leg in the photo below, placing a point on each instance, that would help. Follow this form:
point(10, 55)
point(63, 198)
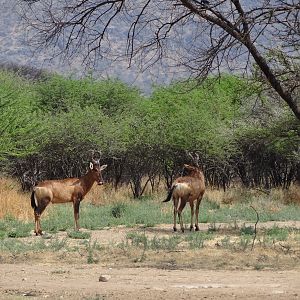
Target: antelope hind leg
point(197, 213)
point(192, 215)
point(175, 203)
point(37, 215)
point(180, 209)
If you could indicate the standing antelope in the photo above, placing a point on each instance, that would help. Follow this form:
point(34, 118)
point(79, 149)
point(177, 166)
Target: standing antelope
point(188, 188)
point(65, 190)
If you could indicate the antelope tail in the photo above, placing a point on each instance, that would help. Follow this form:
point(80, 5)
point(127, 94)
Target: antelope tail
point(170, 194)
point(33, 202)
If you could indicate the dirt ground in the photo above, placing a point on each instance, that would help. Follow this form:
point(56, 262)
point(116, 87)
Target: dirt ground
point(81, 282)
point(158, 277)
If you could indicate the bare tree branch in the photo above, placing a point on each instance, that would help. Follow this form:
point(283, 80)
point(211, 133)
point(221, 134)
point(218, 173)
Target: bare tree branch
point(202, 37)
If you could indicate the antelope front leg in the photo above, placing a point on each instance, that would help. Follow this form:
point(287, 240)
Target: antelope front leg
point(37, 224)
point(76, 205)
point(175, 213)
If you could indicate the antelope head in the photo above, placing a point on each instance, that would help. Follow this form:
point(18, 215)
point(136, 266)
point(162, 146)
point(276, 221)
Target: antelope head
point(189, 170)
point(96, 170)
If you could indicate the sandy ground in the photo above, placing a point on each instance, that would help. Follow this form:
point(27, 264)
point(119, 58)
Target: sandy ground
point(82, 282)
point(60, 279)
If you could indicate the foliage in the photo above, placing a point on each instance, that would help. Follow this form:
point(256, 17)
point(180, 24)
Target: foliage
point(59, 94)
point(50, 128)
point(21, 127)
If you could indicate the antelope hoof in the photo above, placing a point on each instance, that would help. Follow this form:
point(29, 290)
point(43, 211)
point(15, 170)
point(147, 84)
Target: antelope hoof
point(191, 228)
point(182, 229)
point(175, 229)
point(196, 227)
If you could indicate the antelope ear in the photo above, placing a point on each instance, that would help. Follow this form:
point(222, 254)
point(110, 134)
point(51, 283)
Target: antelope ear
point(103, 167)
point(91, 166)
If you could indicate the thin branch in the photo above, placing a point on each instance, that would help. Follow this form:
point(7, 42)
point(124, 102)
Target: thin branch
point(257, 219)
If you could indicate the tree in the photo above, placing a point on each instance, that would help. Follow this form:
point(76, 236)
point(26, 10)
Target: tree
point(20, 125)
point(202, 36)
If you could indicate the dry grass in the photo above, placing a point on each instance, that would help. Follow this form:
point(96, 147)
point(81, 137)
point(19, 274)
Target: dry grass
point(13, 201)
point(104, 195)
point(238, 195)
point(16, 203)
point(292, 196)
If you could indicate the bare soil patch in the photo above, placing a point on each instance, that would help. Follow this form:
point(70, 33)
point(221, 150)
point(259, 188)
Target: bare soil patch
point(211, 272)
point(81, 282)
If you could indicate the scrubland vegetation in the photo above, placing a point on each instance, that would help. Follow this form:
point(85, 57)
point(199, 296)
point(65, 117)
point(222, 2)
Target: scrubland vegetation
point(121, 230)
point(50, 126)
point(248, 148)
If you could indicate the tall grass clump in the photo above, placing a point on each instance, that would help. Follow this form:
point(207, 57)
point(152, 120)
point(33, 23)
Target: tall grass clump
point(13, 201)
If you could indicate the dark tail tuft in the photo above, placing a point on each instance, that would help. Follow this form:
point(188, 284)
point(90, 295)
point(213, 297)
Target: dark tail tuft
point(170, 194)
point(33, 205)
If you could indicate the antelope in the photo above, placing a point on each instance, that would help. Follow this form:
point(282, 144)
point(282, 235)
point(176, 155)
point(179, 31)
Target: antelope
point(187, 188)
point(64, 190)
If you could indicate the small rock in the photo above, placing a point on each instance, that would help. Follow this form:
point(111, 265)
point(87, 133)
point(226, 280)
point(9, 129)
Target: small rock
point(104, 278)
point(29, 294)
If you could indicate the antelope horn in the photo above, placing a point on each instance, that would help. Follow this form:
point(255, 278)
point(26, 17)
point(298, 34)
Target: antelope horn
point(93, 152)
point(195, 158)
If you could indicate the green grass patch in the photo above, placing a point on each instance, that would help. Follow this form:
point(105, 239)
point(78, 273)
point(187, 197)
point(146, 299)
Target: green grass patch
point(196, 239)
point(13, 228)
point(156, 243)
point(118, 210)
point(278, 234)
point(148, 213)
point(79, 234)
point(247, 230)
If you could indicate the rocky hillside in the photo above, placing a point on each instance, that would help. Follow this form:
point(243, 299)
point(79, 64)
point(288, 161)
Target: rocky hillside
point(15, 49)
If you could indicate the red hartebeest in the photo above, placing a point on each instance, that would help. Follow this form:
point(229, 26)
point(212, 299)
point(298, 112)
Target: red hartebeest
point(187, 188)
point(65, 190)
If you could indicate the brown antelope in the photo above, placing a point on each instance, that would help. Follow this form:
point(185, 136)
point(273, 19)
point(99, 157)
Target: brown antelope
point(187, 188)
point(65, 190)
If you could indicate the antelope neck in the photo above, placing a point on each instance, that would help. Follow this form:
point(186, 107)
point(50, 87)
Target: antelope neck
point(87, 181)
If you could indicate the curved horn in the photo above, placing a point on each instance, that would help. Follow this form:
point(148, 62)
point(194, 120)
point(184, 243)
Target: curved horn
point(195, 158)
point(94, 153)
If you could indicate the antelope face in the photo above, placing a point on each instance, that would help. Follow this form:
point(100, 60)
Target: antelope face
point(96, 170)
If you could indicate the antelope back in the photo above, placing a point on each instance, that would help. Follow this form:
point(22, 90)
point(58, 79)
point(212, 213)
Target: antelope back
point(193, 178)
